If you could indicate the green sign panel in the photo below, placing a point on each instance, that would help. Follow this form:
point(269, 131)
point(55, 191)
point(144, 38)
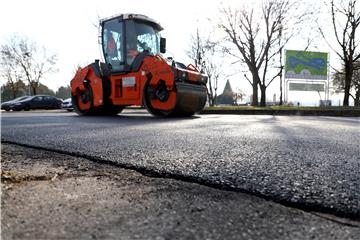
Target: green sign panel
point(306, 65)
point(317, 87)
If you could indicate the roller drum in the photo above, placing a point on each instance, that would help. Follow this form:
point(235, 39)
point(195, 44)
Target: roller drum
point(190, 98)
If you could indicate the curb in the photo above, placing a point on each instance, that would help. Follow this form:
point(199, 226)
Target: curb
point(332, 113)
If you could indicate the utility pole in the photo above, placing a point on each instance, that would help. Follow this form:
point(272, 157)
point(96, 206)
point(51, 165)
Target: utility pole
point(281, 67)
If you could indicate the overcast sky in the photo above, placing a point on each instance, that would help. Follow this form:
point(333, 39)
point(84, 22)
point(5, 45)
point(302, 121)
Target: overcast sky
point(68, 28)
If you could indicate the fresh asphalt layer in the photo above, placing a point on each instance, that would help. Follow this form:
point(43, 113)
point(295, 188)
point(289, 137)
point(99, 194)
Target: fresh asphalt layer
point(47, 195)
point(309, 162)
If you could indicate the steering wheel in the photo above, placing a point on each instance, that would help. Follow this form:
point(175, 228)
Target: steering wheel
point(144, 46)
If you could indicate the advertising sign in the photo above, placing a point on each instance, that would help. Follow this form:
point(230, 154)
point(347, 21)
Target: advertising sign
point(306, 65)
point(317, 87)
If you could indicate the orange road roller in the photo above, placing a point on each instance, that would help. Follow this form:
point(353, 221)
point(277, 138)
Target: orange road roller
point(134, 72)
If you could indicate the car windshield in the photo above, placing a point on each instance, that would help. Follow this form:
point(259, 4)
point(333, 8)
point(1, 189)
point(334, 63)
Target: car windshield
point(26, 99)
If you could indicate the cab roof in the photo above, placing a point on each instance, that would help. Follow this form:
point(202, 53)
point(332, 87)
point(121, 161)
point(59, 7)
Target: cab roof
point(133, 16)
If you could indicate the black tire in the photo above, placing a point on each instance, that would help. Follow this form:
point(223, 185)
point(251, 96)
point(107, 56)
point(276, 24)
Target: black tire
point(26, 108)
point(69, 110)
point(7, 109)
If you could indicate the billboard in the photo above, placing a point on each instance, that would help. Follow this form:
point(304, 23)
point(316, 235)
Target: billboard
point(306, 65)
point(316, 87)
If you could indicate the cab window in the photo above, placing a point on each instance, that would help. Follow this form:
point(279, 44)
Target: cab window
point(113, 44)
point(140, 37)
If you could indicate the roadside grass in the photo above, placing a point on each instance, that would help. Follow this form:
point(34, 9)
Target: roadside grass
point(279, 108)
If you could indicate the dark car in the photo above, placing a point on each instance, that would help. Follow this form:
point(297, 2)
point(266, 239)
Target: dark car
point(6, 105)
point(37, 102)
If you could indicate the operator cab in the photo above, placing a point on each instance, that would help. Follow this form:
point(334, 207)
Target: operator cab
point(126, 36)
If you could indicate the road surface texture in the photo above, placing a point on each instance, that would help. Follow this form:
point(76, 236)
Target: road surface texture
point(46, 195)
point(311, 163)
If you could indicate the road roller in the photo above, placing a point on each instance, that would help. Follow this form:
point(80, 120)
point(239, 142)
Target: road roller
point(134, 72)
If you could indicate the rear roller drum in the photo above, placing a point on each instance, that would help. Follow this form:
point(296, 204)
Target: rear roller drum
point(149, 94)
point(83, 101)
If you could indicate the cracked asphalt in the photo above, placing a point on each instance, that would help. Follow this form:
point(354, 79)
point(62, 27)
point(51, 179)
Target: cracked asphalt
point(312, 163)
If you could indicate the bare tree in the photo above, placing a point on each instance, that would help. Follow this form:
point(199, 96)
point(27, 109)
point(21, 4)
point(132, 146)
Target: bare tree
point(7, 90)
point(32, 62)
point(63, 92)
point(345, 18)
point(339, 82)
point(254, 36)
point(10, 72)
point(204, 52)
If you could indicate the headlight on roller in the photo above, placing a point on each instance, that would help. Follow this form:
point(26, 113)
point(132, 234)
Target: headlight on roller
point(182, 75)
point(204, 79)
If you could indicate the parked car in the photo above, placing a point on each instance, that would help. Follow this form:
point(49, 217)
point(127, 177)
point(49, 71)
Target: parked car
point(6, 105)
point(37, 102)
point(67, 104)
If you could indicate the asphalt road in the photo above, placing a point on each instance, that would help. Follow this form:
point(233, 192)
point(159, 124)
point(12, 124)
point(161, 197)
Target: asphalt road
point(47, 195)
point(308, 162)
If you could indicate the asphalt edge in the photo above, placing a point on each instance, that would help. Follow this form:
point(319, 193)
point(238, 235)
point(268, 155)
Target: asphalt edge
point(306, 207)
point(299, 112)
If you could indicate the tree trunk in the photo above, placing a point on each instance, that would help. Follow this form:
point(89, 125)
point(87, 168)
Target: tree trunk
point(13, 91)
point(209, 98)
point(34, 90)
point(256, 80)
point(357, 99)
point(255, 95)
point(263, 95)
point(348, 77)
point(212, 101)
point(281, 91)
point(34, 87)
point(210, 92)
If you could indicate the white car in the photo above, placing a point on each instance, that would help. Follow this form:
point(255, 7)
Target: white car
point(67, 104)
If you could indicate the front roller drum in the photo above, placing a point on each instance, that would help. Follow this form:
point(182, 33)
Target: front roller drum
point(190, 98)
